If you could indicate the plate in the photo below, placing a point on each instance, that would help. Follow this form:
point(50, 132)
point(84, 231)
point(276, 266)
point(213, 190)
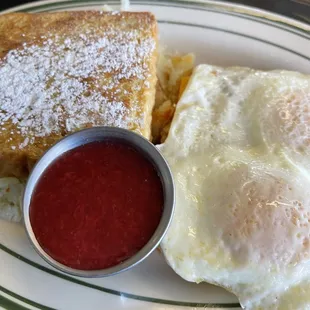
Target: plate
point(218, 33)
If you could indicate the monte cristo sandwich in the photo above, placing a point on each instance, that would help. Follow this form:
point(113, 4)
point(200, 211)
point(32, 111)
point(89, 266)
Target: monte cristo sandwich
point(61, 72)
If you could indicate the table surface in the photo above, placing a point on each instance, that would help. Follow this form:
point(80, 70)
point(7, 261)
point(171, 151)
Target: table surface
point(298, 9)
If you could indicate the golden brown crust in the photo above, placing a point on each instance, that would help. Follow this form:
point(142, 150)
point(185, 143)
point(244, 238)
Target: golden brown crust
point(137, 95)
point(18, 28)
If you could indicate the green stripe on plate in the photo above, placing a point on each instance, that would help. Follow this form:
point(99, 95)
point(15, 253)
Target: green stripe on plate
point(115, 292)
point(234, 33)
point(10, 305)
point(4, 302)
point(199, 6)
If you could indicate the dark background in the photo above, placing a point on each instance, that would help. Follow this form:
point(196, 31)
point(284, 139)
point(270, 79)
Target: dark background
point(298, 9)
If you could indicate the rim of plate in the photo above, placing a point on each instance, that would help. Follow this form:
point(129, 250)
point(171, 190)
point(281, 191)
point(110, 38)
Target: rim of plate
point(233, 8)
point(15, 301)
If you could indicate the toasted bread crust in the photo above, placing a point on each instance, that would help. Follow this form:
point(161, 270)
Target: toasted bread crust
point(137, 95)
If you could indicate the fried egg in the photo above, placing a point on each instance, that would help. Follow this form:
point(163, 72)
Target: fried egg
point(238, 148)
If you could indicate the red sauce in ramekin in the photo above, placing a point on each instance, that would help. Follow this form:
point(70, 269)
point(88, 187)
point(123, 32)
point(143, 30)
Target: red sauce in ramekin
point(96, 205)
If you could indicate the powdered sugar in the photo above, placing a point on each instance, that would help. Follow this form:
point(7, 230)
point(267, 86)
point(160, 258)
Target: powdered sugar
point(68, 83)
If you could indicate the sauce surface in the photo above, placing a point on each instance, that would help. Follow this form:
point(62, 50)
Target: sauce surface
point(96, 205)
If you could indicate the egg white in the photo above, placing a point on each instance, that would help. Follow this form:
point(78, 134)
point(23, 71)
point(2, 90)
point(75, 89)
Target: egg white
point(239, 148)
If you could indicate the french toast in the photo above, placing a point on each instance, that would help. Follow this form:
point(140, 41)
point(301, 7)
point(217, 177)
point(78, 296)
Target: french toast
point(64, 71)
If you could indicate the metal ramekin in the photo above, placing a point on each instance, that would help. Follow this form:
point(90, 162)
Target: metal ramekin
point(99, 134)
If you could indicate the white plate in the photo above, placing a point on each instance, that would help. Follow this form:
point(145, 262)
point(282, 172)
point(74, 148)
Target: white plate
point(218, 33)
